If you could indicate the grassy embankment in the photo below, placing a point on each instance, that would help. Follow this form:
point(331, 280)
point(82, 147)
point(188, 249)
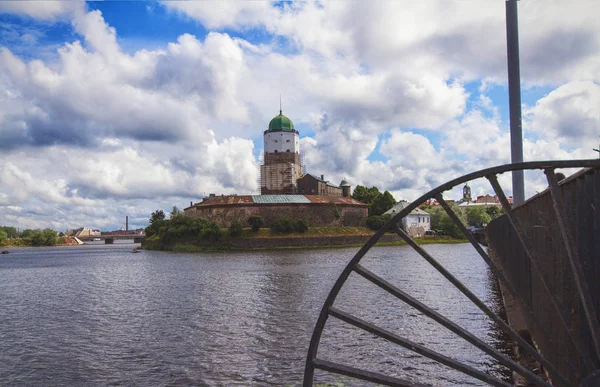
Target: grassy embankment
point(26, 242)
point(267, 235)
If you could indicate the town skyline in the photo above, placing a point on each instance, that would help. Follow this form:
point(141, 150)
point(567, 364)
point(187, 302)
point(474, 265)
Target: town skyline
point(121, 108)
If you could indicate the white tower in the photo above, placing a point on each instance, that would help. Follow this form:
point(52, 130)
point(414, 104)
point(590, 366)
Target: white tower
point(282, 166)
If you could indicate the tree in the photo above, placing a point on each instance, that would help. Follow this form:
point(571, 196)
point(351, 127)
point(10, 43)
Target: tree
point(3, 238)
point(256, 222)
point(435, 213)
point(11, 232)
point(235, 229)
point(381, 203)
point(45, 237)
point(364, 194)
point(26, 233)
point(283, 224)
point(157, 215)
point(447, 224)
point(493, 211)
point(477, 217)
point(302, 225)
point(175, 212)
point(157, 220)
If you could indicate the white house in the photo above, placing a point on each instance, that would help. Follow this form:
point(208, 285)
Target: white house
point(416, 223)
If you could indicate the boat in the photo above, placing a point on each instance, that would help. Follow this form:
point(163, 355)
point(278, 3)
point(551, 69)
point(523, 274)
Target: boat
point(135, 250)
point(96, 239)
point(4, 252)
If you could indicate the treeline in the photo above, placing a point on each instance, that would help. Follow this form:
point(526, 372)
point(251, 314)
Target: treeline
point(179, 228)
point(28, 237)
point(477, 217)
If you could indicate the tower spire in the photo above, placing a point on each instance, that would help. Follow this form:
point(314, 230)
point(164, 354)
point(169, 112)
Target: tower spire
point(280, 111)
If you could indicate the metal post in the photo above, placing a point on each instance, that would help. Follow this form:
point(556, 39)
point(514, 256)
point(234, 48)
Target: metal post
point(514, 98)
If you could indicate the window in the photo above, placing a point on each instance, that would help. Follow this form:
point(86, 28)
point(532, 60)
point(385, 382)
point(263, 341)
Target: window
point(287, 150)
point(275, 140)
point(288, 141)
point(275, 150)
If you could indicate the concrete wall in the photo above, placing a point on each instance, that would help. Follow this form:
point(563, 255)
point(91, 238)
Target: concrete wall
point(317, 215)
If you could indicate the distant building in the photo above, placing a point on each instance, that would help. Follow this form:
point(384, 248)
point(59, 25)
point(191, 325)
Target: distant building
point(282, 171)
point(416, 223)
point(318, 210)
point(466, 193)
point(285, 189)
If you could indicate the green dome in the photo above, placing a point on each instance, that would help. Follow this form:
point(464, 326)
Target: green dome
point(281, 123)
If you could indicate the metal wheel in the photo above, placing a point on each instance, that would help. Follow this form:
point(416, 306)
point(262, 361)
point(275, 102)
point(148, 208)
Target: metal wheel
point(588, 351)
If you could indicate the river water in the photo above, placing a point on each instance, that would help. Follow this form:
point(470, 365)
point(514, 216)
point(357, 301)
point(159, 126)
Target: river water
point(100, 315)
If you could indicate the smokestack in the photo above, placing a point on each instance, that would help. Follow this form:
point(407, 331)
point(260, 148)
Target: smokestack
point(126, 223)
point(323, 177)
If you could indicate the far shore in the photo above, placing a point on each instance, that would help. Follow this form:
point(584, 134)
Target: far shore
point(314, 238)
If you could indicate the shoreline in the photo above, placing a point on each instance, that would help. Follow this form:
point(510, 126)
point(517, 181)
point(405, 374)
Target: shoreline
point(288, 242)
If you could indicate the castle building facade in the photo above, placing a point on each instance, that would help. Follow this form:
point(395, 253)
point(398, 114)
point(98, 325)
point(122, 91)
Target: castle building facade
point(282, 166)
point(285, 190)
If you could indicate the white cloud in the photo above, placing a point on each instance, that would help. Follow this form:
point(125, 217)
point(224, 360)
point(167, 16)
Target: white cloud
point(569, 114)
point(42, 10)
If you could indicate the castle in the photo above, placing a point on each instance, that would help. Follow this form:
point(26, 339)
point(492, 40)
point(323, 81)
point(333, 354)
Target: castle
point(286, 190)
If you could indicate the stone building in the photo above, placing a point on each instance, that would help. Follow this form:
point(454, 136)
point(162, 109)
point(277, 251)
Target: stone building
point(313, 185)
point(319, 210)
point(282, 166)
point(285, 189)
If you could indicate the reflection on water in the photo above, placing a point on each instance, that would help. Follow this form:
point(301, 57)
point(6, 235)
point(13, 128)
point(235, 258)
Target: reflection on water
point(99, 315)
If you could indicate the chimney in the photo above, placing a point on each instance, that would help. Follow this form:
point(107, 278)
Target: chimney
point(323, 177)
point(126, 223)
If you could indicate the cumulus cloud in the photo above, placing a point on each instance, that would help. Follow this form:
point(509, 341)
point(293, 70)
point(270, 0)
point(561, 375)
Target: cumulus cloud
point(42, 10)
point(569, 114)
point(100, 133)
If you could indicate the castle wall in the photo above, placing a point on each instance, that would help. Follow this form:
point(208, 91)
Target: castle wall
point(317, 215)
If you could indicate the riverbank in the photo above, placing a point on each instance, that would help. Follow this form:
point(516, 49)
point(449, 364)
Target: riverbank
point(26, 242)
point(315, 237)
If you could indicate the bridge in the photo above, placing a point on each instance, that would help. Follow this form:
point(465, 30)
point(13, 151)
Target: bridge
point(109, 239)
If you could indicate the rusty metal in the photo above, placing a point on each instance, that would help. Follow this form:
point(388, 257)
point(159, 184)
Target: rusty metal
point(577, 271)
point(522, 236)
point(509, 286)
point(313, 362)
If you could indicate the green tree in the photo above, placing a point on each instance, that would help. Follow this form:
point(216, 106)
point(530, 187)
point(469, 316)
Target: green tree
point(493, 211)
point(175, 212)
point(364, 194)
point(435, 213)
point(157, 220)
point(381, 203)
point(3, 238)
point(11, 232)
point(28, 233)
point(49, 237)
point(157, 215)
point(477, 216)
point(45, 237)
point(448, 226)
point(235, 229)
point(301, 225)
point(283, 224)
point(256, 222)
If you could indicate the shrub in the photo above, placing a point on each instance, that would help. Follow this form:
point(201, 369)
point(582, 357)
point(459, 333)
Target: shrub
point(283, 224)
point(375, 222)
point(301, 225)
point(211, 233)
point(235, 229)
point(256, 222)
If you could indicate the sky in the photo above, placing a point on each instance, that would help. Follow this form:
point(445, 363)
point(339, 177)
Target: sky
point(113, 109)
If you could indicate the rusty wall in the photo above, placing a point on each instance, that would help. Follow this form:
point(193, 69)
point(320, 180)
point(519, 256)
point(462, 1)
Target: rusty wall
point(581, 198)
point(317, 215)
